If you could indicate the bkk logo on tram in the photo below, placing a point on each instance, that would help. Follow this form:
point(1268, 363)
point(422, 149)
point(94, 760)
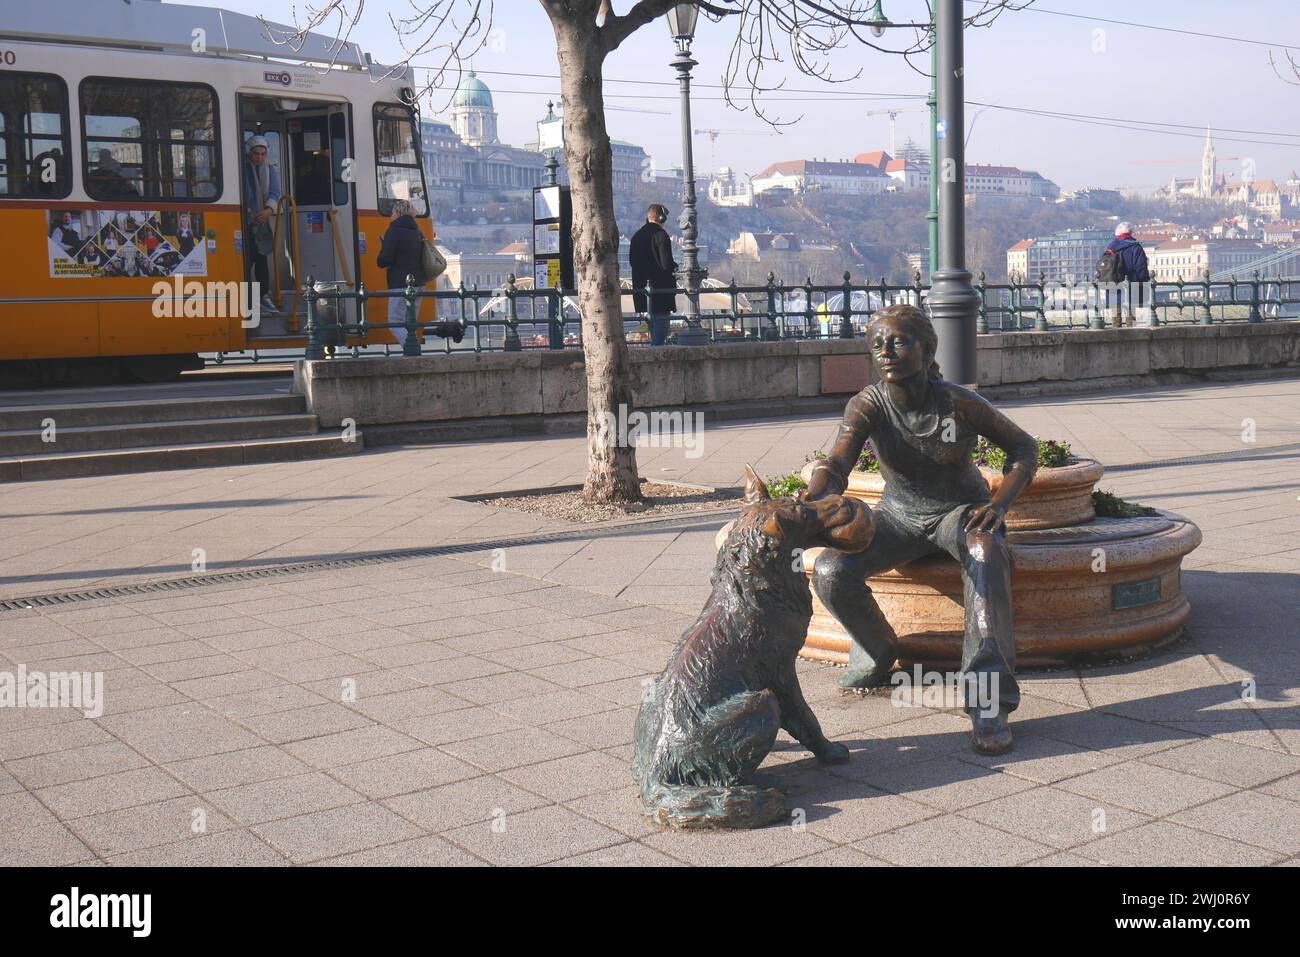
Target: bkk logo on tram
point(136, 243)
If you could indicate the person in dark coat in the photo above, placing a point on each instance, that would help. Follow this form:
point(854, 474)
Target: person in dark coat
point(65, 234)
point(1136, 270)
point(651, 255)
point(401, 252)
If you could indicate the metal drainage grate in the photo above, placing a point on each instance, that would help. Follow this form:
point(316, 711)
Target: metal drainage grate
point(690, 520)
point(371, 558)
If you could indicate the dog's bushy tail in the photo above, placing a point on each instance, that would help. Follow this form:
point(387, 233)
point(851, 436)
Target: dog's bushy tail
point(690, 806)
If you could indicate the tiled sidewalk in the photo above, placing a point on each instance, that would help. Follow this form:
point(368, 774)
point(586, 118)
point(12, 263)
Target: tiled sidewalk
point(478, 708)
point(68, 534)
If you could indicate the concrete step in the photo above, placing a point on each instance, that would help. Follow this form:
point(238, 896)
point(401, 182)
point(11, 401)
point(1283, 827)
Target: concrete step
point(31, 442)
point(24, 417)
point(156, 458)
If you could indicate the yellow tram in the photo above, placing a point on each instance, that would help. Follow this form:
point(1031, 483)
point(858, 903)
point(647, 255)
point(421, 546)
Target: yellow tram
point(124, 180)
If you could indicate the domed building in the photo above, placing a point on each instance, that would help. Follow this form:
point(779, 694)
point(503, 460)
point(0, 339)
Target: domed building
point(472, 115)
point(465, 162)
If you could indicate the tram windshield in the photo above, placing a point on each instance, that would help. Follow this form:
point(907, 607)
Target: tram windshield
point(397, 159)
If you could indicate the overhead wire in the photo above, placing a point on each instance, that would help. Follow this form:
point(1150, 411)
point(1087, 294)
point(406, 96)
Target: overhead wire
point(783, 94)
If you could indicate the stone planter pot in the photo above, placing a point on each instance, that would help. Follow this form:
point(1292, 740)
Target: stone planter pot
point(1056, 497)
point(1082, 587)
point(1066, 610)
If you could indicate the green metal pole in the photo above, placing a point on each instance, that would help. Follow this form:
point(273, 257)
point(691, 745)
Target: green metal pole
point(954, 303)
point(933, 102)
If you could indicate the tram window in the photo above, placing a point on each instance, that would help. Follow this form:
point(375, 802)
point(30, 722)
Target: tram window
point(34, 136)
point(397, 160)
point(150, 139)
point(310, 152)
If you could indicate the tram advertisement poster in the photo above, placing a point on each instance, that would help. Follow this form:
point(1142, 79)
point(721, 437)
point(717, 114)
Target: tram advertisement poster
point(98, 243)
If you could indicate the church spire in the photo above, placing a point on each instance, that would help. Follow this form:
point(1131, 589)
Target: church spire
point(1209, 168)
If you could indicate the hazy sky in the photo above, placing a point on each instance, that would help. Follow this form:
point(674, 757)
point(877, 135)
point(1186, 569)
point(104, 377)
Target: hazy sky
point(1028, 59)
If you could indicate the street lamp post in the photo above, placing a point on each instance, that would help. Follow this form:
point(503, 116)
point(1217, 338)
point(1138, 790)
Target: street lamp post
point(954, 303)
point(548, 143)
point(932, 101)
point(681, 24)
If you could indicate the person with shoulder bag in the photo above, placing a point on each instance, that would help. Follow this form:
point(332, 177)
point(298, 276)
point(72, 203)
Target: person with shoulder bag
point(405, 252)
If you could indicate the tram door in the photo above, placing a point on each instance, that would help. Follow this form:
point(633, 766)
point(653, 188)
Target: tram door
point(309, 145)
point(317, 146)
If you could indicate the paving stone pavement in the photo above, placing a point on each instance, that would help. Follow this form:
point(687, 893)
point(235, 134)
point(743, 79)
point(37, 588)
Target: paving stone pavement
point(477, 707)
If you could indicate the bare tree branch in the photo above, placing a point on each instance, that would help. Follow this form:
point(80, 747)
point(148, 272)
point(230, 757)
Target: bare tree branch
point(1295, 68)
point(615, 29)
point(769, 34)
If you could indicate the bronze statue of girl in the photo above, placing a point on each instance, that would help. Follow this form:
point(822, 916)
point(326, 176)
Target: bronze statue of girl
point(923, 430)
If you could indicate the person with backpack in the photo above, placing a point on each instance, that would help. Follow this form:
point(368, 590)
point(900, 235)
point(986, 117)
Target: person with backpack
point(403, 251)
point(1124, 263)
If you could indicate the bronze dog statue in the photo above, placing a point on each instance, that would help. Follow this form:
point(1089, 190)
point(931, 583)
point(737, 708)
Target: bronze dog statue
point(710, 719)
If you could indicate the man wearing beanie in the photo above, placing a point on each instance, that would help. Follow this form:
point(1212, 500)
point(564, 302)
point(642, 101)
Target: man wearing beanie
point(261, 195)
point(1131, 260)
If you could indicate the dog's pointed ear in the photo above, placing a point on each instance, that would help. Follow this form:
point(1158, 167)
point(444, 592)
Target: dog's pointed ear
point(755, 490)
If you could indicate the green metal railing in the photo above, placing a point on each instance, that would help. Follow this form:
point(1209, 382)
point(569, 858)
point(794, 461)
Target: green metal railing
point(512, 318)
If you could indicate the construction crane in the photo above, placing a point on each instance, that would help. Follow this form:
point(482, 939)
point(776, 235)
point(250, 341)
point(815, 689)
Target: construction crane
point(893, 150)
point(713, 141)
point(637, 109)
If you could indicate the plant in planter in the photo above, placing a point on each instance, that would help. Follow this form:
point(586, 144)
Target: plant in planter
point(784, 485)
point(1051, 454)
point(1109, 505)
point(867, 461)
point(1060, 493)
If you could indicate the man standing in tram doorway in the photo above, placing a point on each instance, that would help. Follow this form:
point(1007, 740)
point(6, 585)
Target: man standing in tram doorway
point(261, 196)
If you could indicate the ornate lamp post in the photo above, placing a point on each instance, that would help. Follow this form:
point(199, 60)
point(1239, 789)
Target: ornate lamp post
point(681, 24)
point(550, 140)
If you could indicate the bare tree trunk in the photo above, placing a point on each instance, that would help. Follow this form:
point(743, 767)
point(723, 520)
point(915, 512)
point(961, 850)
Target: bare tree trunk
point(611, 470)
